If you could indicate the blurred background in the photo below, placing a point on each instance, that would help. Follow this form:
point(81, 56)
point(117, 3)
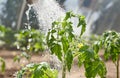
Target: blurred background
point(101, 15)
point(15, 37)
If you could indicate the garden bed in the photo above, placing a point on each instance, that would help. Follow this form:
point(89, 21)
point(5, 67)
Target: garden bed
point(12, 67)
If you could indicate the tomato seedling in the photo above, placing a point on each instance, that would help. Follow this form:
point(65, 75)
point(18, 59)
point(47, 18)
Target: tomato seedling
point(110, 41)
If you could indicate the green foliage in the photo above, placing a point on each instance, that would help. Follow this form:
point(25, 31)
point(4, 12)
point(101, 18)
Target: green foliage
point(110, 41)
point(2, 64)
point(61, 35)
point(63, 43)
point(60, 40)
point(7, 36)
point(41, 70)
point(93, 64)
point(30, 40)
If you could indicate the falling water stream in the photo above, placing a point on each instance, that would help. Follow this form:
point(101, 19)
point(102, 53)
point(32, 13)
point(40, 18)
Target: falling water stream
point(47, 12)
point(27, 16)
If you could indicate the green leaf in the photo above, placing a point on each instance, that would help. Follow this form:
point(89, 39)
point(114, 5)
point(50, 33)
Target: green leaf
point(68, 15)
point(62, 32)
point(94, 68)
point(55, 23)
point(65, 44)
point(56, 49)
point(84, 48)
point(96, 47)
point(53, 31)
point(106, 54)
point(64, 24)
point(81, 59)
point(69, 59)
point(82, 23)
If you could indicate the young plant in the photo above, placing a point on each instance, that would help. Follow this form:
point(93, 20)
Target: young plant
point(41, 70)
point(59, 39)
point(30, 41)
point(110, 41)
point(2, 64)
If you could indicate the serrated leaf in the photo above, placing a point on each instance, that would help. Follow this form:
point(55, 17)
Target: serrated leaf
point(56, 49)
point(82, 23)
point(69, 59)
point(94, 68)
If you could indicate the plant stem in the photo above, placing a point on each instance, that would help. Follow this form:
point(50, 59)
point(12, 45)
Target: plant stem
point(64, 67)
point(117, 67)
point(64, 70)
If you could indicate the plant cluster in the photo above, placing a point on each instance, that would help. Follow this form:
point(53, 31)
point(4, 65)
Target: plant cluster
point(110, 42)
point(7, 36)
point(33, 70)
point(64, 44)
point(29, 41)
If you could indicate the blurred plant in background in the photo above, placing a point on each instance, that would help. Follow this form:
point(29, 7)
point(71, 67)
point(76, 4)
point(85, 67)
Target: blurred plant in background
point(2, 64)
point(7, 37)
point(110, 42)
point(30, 41)
point(40, 70)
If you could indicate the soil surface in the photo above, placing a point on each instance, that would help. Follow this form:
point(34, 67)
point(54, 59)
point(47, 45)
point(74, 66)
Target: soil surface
point(12, 67)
